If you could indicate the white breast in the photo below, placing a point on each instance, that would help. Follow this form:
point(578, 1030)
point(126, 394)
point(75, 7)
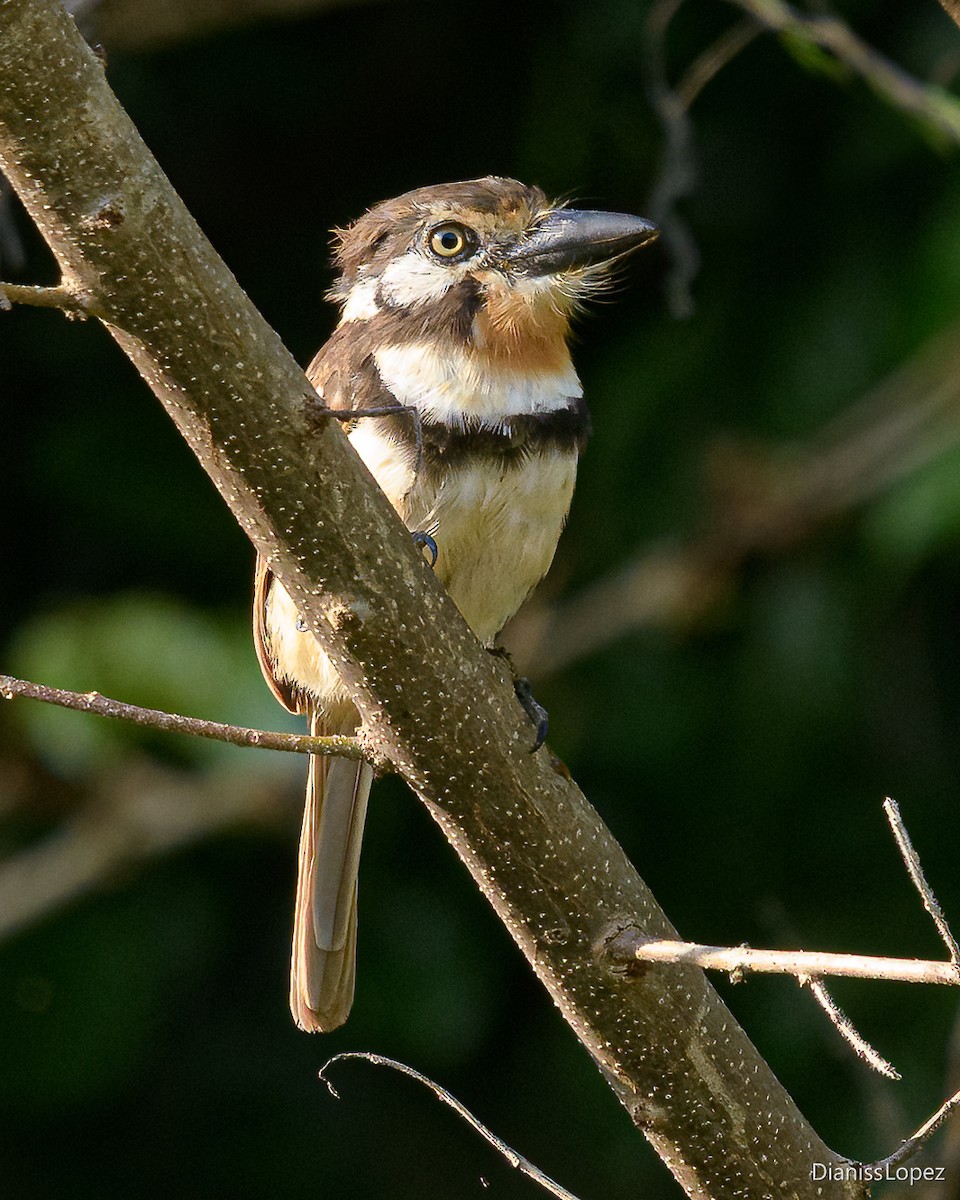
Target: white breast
point(452, 386)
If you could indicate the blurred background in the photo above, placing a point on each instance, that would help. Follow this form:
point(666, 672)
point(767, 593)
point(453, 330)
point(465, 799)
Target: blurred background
point(750, 635)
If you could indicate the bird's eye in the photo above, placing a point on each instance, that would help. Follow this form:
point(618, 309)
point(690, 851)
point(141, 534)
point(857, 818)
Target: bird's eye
point(450, 240)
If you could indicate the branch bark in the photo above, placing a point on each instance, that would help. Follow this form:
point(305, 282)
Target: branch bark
point(433, 702)
point(952, 8)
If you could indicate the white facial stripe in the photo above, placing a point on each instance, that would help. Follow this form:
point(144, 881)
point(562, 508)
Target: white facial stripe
point(361, 302)
point(413, 279)
point(452, 386)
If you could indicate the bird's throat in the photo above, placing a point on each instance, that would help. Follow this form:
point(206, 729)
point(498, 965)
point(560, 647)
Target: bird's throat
point(461, 385)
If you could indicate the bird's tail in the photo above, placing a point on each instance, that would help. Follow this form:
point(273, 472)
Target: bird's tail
point(323, 963)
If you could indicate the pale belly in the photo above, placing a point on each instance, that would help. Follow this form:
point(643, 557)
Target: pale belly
point(496, 530)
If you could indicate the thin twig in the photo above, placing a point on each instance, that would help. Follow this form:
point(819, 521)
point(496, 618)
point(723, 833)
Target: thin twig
point(930, 104)
point(714, 1111)
point(677, 172)
point(625, 945)
point(918, 879)
point(913, 1143)
point(523, 1165)
point(844, 1026)
point(716, 56)
point(235, 735)
point(43, 297)
point(800, 963)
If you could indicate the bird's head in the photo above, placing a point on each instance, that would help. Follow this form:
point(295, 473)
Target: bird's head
point(489, 264)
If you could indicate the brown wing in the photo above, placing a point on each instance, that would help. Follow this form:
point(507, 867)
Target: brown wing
point(262, 582)
point(344, 372)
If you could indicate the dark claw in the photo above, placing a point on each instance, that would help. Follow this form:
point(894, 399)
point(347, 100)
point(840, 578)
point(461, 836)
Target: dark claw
point(302, 625)
point(423, 541)
point(536, 712)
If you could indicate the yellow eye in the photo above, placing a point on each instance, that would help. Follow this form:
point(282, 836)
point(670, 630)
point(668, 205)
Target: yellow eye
point(450, 240)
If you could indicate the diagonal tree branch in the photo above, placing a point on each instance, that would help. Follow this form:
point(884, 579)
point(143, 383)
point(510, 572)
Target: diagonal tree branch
point(433, 702)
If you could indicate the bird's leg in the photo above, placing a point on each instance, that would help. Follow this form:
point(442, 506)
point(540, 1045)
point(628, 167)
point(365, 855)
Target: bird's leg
point(539, 717)
point(537, 714)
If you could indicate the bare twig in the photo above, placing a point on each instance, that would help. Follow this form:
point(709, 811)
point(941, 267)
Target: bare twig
point(523, 1165)
point(628, 946)
point(427, 691)
point(235, 735)
point(802, 964)
point(918, 1139)
point(918, 879)
point(935, 108)
point(70, 301)
point(931, 105)
point(807, 967)
point(716, 56)
point(844, 1026)
point(677, 173)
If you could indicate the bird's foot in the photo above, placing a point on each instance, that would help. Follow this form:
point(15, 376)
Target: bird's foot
point(539, 717)
point(423, 541)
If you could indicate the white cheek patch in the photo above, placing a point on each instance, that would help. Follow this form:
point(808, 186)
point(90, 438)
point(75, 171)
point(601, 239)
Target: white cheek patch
point(453, 387)
point(415, 279)
point(361, 303)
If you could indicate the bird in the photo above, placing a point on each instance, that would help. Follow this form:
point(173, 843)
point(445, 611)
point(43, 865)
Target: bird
point(456, 303)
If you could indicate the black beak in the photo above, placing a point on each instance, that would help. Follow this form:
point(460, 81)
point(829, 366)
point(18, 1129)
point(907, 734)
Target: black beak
point(571, 238)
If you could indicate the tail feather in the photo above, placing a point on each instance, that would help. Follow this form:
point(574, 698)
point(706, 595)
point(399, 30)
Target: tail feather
point(323, 963)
